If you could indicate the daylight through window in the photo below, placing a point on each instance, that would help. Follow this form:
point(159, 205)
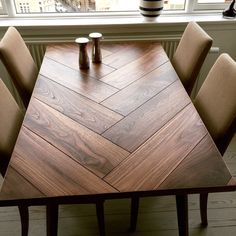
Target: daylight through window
point(73, 6)
point(13, 8)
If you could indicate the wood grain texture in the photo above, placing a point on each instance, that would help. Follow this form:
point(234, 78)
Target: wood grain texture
point(141, 124)
point(141, 91)
point(151, 164)
point(129, 52)
point(74, 142)
point(76, 80)
point(83, 145)
point(12, 190)
point(69, 56)
point(82, 110)
point(202, 167)
point(51, 171)
point(135, 70)
point(57, 50)
point(157, 217)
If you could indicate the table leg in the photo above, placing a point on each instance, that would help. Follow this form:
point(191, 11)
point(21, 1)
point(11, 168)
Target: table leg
point(24, 218)
point(100, 217)
point(52, 219)
point(203, 208)
point(182, 213)
point(134, 213)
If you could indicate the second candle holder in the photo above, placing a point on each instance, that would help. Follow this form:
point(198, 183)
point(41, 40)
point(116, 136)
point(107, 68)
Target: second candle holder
point(96, 49)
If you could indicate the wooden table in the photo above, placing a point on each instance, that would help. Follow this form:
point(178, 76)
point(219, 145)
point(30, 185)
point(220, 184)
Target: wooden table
point(123, 128)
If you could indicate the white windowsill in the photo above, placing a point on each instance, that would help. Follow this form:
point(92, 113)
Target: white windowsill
point(114, 28)
point(135, 19)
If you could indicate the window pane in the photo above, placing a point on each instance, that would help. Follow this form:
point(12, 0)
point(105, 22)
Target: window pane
point(1, 8)
point(70, 6)
point(174, 4)
point(212, 4)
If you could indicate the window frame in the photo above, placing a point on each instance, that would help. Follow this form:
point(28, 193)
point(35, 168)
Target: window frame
point(11, 13)
point(208, 6)
point(191, 7)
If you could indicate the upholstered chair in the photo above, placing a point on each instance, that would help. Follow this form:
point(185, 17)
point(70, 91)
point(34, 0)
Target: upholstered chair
point(190, 54)
point(19, 63)
point(11, 119)
point(216, 101)
point(216, 104)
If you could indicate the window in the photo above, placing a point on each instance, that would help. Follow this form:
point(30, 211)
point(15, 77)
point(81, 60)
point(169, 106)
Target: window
point(211, 4)
point(174, 5)
point(85, 6)
point(29, 7)
point(2, 8)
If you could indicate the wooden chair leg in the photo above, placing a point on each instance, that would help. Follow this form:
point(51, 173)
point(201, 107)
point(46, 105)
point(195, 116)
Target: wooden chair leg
point(182, 214)
point(100, 217)
point(24, 217)
point(52, 219)
point(134, 213)
point(203, 208)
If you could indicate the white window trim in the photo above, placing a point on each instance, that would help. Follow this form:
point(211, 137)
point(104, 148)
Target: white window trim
point(208, 6)
point(192, 7)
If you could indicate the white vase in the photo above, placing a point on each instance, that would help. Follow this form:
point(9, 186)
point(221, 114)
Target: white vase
point(151, 8)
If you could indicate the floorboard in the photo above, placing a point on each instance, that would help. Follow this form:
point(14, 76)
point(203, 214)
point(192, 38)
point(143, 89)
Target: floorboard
point(157, 215)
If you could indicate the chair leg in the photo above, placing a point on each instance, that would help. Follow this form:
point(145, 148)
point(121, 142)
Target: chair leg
point(203, 208)
point(134, 213)
point(24, 217)
point(100, 217)
point(182, 214)
point(52, 219)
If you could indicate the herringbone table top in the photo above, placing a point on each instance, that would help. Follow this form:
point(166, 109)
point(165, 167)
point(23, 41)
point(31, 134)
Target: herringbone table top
point(124, 126)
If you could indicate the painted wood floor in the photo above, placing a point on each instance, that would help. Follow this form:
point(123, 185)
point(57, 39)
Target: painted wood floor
point(157, 216)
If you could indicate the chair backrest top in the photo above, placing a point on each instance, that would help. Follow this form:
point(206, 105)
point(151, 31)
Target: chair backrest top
point(11, 119)
point(216, 99)
point(19, 62)
point(190, 54)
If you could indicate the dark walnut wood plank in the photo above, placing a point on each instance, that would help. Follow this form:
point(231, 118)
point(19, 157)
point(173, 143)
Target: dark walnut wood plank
point(11, 189)
point(86, 112)
point(203, 167)
point(139, 125)
point(54, 50)
point(151, 164)
point(115, 47)
point(142, 90)
point(76, 80)
point(136, 69)
point(130, 52)
point(83, 145)
point(68, 55)
point(51, 171)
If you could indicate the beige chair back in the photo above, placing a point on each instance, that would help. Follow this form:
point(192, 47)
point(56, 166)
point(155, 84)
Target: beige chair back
point(19, 63)
point(11, 118)
point(190, 54)
point(216, 101)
